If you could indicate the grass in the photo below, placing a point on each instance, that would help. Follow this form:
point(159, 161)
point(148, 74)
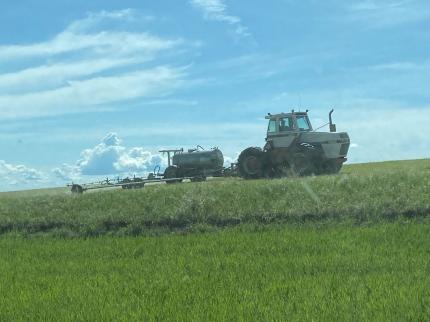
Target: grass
point(350, 247)
point(268, 273)
point(362, 194)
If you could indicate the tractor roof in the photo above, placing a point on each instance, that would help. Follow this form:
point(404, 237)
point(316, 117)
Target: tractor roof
point(281, 115)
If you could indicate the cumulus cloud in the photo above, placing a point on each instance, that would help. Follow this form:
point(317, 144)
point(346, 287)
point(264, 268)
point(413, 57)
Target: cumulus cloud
point(103, 158)
point(228, 160)
point(66, 172)
point(216, 10)
point(18, 174)
point(110, 157)
point(139, 160)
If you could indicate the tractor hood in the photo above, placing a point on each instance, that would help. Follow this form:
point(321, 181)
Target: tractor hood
point(333, 145)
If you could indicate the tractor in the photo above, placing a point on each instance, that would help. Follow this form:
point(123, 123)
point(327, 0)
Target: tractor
point(293, 148)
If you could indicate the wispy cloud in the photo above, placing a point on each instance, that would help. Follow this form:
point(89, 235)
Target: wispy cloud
point(369, 5)
point(83, 67)
point(83, 95)
point(216, 10)
point(57, 74)
point(92, 33)
point(387, 13)
point(101, 43)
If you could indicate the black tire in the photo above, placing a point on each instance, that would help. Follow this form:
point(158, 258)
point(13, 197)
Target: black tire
point(139, 184)
point(126, 185)
point(332, 167)
point(76, 188)
point(170, 173)
point(302, 165)
point(251, 163)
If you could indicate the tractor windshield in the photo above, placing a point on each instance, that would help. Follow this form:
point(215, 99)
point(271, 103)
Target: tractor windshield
point(303, 123)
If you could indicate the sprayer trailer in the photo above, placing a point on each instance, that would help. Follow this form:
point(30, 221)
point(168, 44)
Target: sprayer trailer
point(127, 183)
point(194, 165)
point(293, 148)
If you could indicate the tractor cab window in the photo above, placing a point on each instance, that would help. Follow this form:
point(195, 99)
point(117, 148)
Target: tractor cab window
point(286, 124)
point(302, 123)
point(272, 126)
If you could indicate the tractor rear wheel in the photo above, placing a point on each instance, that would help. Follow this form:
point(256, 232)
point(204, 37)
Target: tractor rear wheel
point(251, 163)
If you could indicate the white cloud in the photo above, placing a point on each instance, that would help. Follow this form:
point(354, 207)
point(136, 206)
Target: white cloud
point(229, 160)
point(101, 43)
point(368, 5)
point(139, 160)
point(381, 134)
point(18, 174)
point(81, 95)
point(67, 173)
point(387, 13)
point(83, 35)
point(83, 68)
point(110, 157)
point(54, 75)
point(216, 10)
point(94, 19)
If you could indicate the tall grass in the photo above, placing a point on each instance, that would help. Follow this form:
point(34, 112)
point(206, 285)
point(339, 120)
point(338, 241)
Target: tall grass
point(362, 194)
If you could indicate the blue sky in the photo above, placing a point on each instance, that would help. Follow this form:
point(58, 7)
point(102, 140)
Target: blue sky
point(95, 88)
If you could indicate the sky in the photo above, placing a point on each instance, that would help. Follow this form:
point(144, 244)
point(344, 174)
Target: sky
point(93, 89)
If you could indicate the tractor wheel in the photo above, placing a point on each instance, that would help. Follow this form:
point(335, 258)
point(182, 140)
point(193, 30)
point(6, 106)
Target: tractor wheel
point(302, 165)
point(251, 163)
point(170, 173)
point(332, 167)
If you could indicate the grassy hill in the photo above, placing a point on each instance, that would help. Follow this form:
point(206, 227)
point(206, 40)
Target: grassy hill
point(361, 194)
point(349, 247)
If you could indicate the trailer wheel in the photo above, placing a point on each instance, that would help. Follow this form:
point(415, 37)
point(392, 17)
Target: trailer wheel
point(77, 189)
point(170, 173)
point(126, 185)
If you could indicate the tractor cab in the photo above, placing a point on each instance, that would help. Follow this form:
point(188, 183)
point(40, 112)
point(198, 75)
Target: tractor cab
point(286, 123)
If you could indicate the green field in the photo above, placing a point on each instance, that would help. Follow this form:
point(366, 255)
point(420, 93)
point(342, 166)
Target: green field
point(354, 246)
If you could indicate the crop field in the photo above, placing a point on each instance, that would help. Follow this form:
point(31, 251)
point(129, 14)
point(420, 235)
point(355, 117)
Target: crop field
point(353, 246)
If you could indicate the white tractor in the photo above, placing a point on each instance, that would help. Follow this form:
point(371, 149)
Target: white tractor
point(294, 148)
